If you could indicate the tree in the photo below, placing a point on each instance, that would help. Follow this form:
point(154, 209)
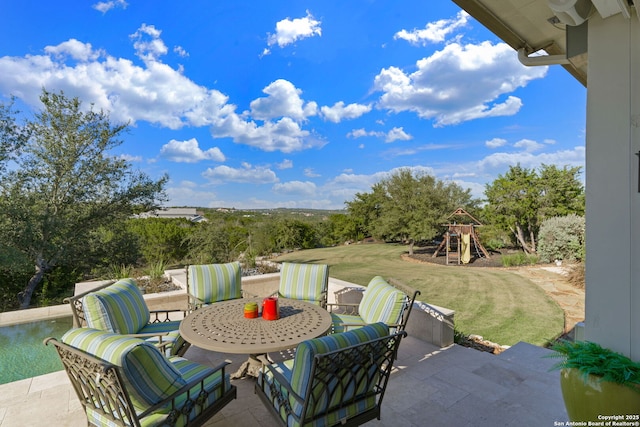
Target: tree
point(294, 234)
point(67, 184)
point(513, 204)
point(521, 199)
point(365, 209)
point(161, 239)
point(409, 207)
point(341, 228)
point(12, 136)
point(561, 191)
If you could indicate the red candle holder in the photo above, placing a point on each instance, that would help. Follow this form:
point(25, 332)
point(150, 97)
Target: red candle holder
point(270, 309)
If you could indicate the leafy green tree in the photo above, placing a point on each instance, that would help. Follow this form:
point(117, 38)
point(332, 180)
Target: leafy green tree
point(67, 184)
point(410, 207)
point(15, 270)
point(293, 233)
point(217, 241)
point(111, 248)
point(561, 191)
point(514, 199)
point(365, 209)
point(161, 239)
point(522, 198)
point(340, 228)
point(12, 136)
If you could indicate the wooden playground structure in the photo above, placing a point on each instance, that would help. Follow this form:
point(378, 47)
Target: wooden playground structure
point(461, 237)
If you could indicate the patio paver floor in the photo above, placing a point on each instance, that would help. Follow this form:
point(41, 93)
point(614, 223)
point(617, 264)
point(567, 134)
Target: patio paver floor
point(454, 386)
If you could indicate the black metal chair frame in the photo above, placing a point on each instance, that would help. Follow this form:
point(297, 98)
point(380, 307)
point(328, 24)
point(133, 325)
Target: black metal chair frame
point(352, 308)
point(99, 385)
point(332, 373)
point(157, 316)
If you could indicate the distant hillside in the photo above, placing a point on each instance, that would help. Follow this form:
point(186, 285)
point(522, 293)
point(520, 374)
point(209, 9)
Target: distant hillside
point(277, 211)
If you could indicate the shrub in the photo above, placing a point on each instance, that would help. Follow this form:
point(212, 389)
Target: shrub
point(116, 272)
point(493, 238)
point(562, 238)
point(156, 269)
point(519, 258)
point(576, 275)
point(494, 245)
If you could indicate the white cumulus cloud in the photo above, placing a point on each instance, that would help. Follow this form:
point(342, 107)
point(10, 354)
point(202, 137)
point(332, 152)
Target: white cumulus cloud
point(74, 49)
point(291, 30)
point(434, 32)
point(283, 100)
point(159, 94)
point(395, 134)
point(189, 152)
point(458, 83)
point(340, 112)
point(247, 174)
point(528, 145)
point(285, 164)
point(300, 188)
point(105, 6)
point(495, 143)
point(310, 173)
point(148, 44)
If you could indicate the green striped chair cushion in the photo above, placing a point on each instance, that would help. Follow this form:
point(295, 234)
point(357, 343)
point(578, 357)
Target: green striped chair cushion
point(215, 282)
point(149, 376)
point(118, 308)
point(308, 282)
point(381, 302)
point(298, 373)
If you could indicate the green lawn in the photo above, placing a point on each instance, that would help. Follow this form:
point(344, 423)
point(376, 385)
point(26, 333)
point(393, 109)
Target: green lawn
point(501, 306)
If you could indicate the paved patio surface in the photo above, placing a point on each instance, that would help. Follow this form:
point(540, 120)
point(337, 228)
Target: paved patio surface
point(454, 386)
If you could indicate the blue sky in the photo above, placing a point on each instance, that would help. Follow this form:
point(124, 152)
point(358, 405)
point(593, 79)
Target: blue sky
point(298, 104)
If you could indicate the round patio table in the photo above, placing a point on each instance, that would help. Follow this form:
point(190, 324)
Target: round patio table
point(222, 327)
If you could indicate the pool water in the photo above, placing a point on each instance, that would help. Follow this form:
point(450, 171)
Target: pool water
point(22, 353)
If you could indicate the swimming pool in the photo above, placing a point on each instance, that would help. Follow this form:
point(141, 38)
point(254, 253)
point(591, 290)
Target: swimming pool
point(22, 354)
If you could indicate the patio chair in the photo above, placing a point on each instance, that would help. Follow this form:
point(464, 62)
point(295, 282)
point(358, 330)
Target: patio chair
point(307, 282)
point(210, 283)
point(388, 302)
point(119, 307)
point(337, 379)
point(125, 381)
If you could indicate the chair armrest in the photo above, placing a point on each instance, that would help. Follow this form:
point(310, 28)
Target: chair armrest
point(277, 376)
point(157, 314)
point(75, 302)
point(349, 307)
point(246, 294)
point(186, 388)
point(161, 345)
point(194, 303)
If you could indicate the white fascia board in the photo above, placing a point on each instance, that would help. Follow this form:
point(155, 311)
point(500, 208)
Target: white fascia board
point(607, 8)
